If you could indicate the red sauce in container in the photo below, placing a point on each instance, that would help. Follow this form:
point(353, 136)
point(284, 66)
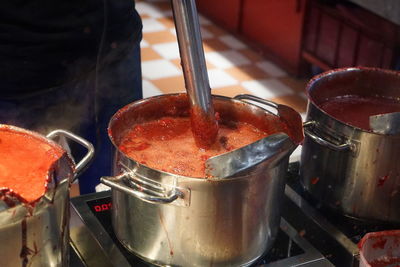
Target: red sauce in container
point(386, 262)
point(356, 110)
point(25, 163)
point(204, 129)
point(168, 144)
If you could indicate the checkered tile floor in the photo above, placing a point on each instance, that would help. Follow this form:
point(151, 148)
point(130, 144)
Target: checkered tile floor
point(233, 67)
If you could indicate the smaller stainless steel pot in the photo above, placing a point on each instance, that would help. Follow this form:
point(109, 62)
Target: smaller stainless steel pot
point(351, 170)
point(184, 221)
point(38, 235)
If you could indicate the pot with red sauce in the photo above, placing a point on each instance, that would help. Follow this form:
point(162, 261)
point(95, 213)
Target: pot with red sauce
point(166, 211)
point(35, 176)
point(356, 169)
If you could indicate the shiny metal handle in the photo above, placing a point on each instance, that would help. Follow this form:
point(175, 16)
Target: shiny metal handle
point(192, 54)
point(258, 100)
point(143, 190)
point(321, 141)
point(90, 149)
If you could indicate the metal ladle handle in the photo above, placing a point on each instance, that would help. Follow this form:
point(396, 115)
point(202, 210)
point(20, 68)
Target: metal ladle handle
point(203, 121)
point(192, 55)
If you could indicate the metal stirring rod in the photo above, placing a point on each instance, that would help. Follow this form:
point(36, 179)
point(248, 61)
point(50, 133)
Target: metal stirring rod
point(204, 125)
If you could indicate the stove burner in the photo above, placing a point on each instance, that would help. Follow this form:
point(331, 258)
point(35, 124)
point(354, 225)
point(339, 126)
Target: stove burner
point(92, 235)
point(308, 236)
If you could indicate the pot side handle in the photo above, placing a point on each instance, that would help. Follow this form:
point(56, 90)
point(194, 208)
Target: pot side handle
point(145, 191)
point(321, 141)
point(259, 100)
point(286, 114)
point(80, 166)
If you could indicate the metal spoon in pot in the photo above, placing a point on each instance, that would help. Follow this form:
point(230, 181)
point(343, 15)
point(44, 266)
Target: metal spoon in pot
point(203, 121)
point(388, 123)
point(266, 150)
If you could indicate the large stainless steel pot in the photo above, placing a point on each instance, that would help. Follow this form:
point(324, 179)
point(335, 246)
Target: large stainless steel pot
point(183, 221)
point(38, 235)
point(351, 170)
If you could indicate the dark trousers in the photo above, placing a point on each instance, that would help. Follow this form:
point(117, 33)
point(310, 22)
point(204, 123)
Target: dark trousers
point(83, 107)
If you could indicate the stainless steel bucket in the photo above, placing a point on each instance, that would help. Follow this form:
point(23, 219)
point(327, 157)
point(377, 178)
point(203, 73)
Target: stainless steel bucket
point(38, 235)
point(174, 220)
point(351, 170)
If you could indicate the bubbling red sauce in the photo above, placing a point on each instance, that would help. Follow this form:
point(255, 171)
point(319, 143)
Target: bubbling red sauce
point(204, 129)
point(168, 144)
point(356, 110)
point(25, 162)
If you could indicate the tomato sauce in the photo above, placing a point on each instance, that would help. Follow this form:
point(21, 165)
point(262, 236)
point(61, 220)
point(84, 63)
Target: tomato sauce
point(204, 129)
point(25, 162)
point(168, 144)
point(356, 110)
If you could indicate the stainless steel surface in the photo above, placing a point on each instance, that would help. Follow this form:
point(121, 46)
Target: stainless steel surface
point(352, 171)
point(96, 247)
point(323, 222)
point(146, 189)
point(288, 115)
point(39, 235)
point(192, 57)
point(192, 54)
point(268, 149)
point(80, 166)
point(308, 131)
point(225, 221)
point(330, 240)
point(388, 123)
point(214, 228)
point(312, 257)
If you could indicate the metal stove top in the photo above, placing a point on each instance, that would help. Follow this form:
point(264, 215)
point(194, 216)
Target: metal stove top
point(308, 236)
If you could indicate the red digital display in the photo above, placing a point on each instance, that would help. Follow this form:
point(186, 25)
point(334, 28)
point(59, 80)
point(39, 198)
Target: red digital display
point(102, 207)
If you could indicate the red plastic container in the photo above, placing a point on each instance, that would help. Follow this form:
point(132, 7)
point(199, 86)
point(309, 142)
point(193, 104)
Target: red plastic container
point(380, 249)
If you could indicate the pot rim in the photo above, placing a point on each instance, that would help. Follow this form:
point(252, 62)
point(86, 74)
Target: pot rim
point(32, 133)
point(327, 74)
point(43, 138)
point(172, 175)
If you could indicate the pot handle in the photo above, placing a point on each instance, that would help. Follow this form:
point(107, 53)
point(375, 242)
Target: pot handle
point(258, 100)
point(288, 115)
point(147, 191)
point(90, 149)
point(321, 141)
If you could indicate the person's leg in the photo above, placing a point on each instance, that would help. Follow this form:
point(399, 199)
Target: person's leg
point(118, 84)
